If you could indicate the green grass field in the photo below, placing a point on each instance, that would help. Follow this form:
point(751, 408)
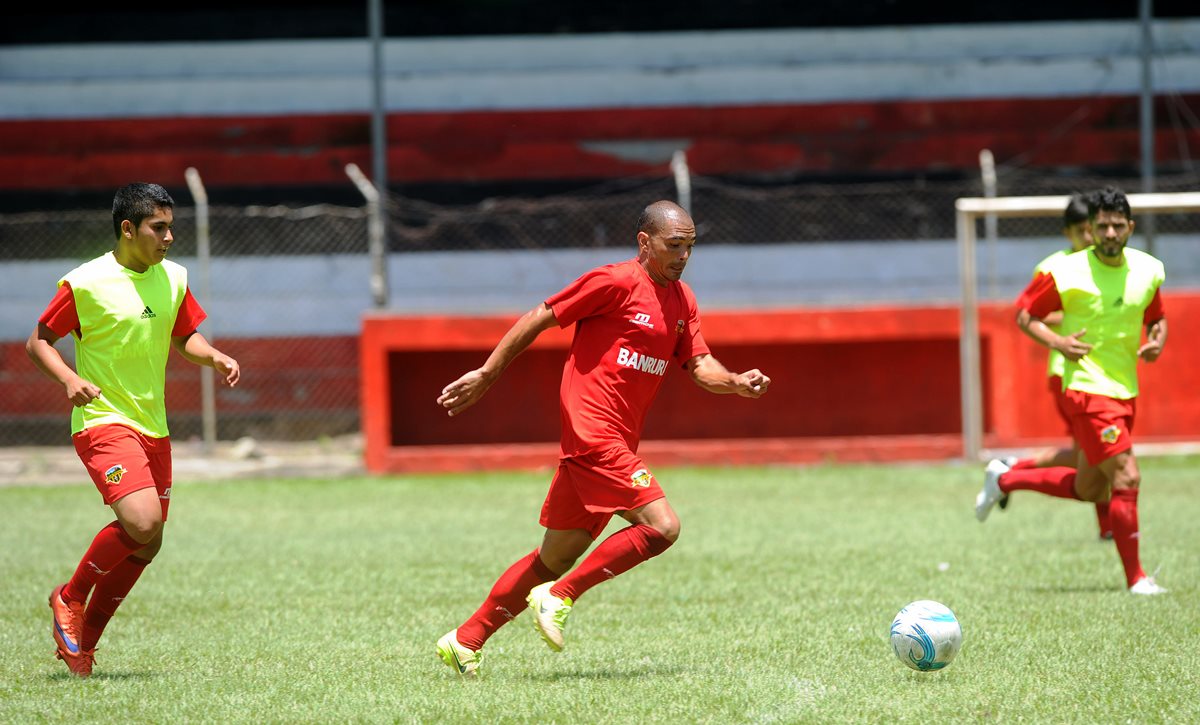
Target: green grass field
point(320, 601)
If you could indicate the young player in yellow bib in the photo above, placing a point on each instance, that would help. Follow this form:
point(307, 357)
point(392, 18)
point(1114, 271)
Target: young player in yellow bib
point(1077, 230)
point(125, 310)
point(1107, 294)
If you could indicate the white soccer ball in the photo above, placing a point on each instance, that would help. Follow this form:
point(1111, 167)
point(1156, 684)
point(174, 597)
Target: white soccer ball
point(926, 635)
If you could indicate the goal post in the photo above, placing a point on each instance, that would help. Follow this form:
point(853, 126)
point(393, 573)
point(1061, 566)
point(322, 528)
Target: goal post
point(968, 211)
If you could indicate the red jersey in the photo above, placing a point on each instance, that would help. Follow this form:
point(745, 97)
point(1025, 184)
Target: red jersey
point(627, 331)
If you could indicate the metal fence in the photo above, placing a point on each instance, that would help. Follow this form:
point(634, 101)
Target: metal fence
point(289, 284)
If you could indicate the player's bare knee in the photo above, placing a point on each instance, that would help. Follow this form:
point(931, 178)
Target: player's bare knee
point(668, 529)
point(144, 530)
point(1127, 479)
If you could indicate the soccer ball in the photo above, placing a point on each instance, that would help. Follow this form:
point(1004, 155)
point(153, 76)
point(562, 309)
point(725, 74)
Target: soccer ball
point(926, 635)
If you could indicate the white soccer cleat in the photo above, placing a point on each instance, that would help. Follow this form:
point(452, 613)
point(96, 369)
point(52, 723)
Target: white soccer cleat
point(549, 614)
point(458, 657)
point(1146, 586)
point(991, 493)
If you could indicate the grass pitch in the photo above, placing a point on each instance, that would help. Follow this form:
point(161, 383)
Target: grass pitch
point(320, 601)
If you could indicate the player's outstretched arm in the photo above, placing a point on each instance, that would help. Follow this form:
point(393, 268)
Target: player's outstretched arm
point(196, 349)
point(40, 348)
point(710, 374)
point(1156, 337)
point(468, 389)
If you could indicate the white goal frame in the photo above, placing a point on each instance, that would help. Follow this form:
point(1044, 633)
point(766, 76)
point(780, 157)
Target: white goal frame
point(968, 211)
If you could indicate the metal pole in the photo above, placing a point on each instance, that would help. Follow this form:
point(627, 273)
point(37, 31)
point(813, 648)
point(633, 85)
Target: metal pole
point(1146, 115)
point(683, 180)
point(379, 287)
point(970, 377)
point(375, 247)
point(208, 394)
point(987, 167)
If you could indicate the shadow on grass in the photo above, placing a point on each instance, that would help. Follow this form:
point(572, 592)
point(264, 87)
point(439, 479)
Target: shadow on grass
point(1075, 589)
point(631, 673)
point(113, 676)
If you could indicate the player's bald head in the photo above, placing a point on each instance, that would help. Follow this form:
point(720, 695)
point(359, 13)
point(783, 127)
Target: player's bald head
point(661, 214)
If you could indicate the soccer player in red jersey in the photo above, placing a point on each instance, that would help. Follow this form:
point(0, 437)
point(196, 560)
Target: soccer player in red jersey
point(632, 321)
point(125, 310)
point(1107, 294)
point(1077, 230)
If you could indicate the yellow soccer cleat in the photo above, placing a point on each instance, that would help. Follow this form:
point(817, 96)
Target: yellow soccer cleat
point(457, 657)
point(549, 614)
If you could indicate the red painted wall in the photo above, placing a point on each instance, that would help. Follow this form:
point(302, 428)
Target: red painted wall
point(849, 137)
point(853, 384)
point(861, 384)
point(285, 375)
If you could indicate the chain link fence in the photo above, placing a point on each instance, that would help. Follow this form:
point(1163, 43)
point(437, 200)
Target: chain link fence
point(287, 286)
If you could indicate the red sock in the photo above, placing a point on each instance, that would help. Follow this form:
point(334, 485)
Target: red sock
point(615, 555)
point(1023, 463)
point(505, 601)
point(1057, 481)
point(1122, 513)
point(109, 547)
point(1102, 520)
point(110, 591)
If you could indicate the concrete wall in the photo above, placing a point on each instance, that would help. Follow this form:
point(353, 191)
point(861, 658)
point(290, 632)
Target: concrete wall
point(595, 71)
point(327, 295)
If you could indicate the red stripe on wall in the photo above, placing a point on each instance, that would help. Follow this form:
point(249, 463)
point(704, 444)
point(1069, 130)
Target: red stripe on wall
point(528, 145)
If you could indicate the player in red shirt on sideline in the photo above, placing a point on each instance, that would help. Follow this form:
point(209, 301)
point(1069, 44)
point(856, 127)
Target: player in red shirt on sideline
point(632, 321)
point(125, 310)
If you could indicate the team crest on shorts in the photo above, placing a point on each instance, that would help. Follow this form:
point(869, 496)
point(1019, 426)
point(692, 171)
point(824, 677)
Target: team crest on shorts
point(640, 478)
point(1110, 434)
point(679, 327)
point(114, 475)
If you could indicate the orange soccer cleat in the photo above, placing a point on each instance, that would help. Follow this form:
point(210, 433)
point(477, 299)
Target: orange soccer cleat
point(68, 624)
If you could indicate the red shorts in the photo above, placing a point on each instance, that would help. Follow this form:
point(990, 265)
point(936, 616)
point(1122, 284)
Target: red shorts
point(1060, 402)
point(121, 460)
point(587, 490)
point(1102, 426)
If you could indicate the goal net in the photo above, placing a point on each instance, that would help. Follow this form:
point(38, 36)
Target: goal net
point(1018, 232)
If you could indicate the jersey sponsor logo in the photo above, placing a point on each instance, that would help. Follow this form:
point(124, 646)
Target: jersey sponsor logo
point(114, 475)
point(640, 478)
point(641, 318)
point(148, 313)
point(1110, 434)
point(645, 363)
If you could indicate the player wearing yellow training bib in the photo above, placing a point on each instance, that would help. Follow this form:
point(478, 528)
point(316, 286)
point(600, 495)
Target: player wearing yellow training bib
point(1077, 230)
point(125, 311)
point(1107, 295)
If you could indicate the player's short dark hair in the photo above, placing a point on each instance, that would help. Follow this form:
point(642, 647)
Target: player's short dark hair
point(137, 201)
point(648, 220)
point(1076, 211)
point(1110, 198)
point(654, 216)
